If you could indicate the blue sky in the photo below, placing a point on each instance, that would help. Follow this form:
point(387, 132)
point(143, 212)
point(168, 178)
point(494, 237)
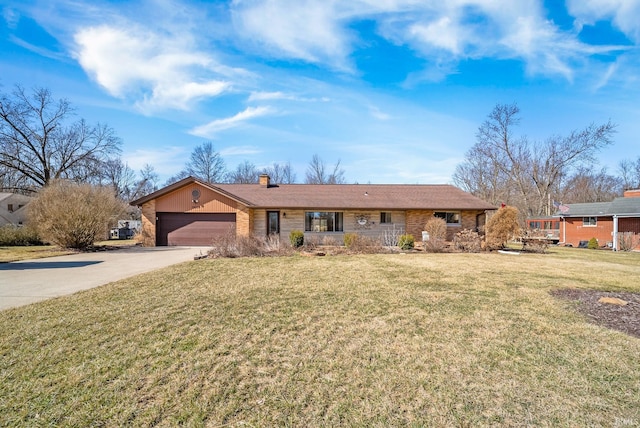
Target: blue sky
point(394, 89)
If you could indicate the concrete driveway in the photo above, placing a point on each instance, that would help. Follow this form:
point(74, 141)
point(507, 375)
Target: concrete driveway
point(31, 281)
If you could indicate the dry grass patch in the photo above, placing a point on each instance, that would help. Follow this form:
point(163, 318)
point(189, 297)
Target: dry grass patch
point(371, 340)
point(14, 254)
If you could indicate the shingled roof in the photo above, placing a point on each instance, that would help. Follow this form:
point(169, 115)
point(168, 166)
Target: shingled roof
point(340, 196)
point(619, 206)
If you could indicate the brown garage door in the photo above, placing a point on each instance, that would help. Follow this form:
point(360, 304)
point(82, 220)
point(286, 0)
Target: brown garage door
point(192, 229)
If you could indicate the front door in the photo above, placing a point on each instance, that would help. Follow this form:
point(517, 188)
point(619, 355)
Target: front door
point(273, 222)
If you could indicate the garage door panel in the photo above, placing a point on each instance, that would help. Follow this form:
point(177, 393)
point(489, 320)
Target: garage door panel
point(193, 229)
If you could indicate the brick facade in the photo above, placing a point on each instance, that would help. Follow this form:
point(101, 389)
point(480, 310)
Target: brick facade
point(576, 231)
point(250, 203)
point(149, 223)
point(416, 219)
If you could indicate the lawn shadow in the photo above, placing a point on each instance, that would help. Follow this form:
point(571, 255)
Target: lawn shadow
point(45, 265)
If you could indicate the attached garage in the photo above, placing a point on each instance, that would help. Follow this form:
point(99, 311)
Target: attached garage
point(197, 229)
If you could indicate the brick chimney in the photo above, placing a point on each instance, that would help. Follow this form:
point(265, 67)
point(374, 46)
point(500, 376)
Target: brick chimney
point(634, 193)
point(265, 180)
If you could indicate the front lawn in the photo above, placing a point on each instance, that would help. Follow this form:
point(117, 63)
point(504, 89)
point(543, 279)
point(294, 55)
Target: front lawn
point(372, 340)
point(30, 252)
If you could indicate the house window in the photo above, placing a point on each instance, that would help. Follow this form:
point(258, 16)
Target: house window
point(323, 222)
point(449, 217)
point(385, 217)
point(273, 222)
point(589, 221)
point(10, 208)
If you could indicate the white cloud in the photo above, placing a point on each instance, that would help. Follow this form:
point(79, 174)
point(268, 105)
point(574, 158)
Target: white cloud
point(240, 151)
point(209, 130)
point(375, 112)
point(443, 33)
point(163, 159)
point(270, 96)
point(11, 17)
point(624, 14)
point(304, 29)
point(157, 71)
point(267, 96)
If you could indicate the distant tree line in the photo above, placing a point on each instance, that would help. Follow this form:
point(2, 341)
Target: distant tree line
point(206, 164)
point(41, 141)
point(502, 167)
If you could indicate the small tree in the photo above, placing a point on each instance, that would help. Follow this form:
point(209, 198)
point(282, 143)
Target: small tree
point(74, 215)
point(501, 227)
point(406, 242)
point(437, 229)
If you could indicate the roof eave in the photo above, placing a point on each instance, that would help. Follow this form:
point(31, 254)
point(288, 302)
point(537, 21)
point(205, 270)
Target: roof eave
point(184, 182)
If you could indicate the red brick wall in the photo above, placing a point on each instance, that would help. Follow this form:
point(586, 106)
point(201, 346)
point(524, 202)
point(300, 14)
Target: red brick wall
point(576, 232)
point(416, 219)
point(629, 225)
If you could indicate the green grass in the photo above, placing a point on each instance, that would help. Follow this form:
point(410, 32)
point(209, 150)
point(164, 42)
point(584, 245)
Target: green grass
point(375, 340)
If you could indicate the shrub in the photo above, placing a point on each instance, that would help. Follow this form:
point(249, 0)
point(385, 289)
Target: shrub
point(593, 244)
point(437, 230)
point(467, 241)
point(362, 244)
point(74, 215)
point(406, 241)
point(502, 227)
point(231, 246)
point(391, 236)
point(329, 241)
point(18, 236)
point(312, 242)
point(628, 240)
point(349, 239)
point(296, 237)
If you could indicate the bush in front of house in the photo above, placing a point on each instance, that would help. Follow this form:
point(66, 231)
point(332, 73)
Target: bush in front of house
point(467, 241)
point(437, 229)
point(74, 215)
point(13, 236)
point(628, 240)
point(502, 227)
point(592, 244)
point(349, 239)
point(296, 237)
point(406, 241)
point(232, 246)
point(360, 244)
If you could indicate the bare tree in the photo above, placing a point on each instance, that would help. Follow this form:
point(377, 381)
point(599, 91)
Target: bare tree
point(177, 177)
point(589, 186)
point(148, 182)
point(482, 177)
point(206, 164)
point(37, 142)
point(118, 176)
point(245, 173)
point(15, 182)
point(526, 174)
point(317, 172)
point(281, 173)
point(630, 173)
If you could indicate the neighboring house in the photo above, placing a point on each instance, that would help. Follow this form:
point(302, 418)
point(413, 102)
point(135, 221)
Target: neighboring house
point(13, 208)
point(600, 220)
point(192, 212)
